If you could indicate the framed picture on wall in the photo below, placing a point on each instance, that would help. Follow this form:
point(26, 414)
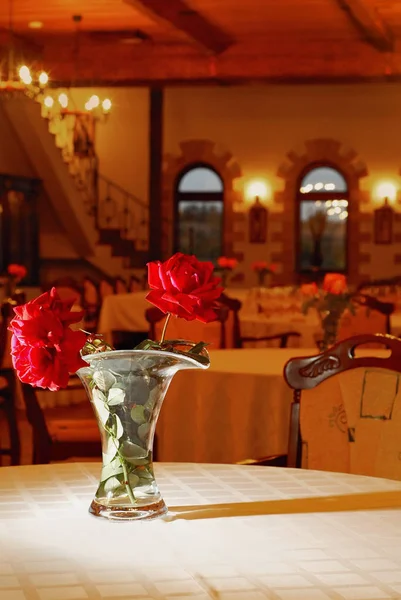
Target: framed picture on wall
point(383, 224)
point(258, 223)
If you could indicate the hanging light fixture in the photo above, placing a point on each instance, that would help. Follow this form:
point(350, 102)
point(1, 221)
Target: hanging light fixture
point(20, 78)
point(35, 83)
point(62, 101)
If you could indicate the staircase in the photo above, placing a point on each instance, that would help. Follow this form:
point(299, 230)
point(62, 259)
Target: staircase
point(107, 225)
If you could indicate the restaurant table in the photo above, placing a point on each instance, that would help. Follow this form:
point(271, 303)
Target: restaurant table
point(126, 312)
point(232, 533)
point(239, 408)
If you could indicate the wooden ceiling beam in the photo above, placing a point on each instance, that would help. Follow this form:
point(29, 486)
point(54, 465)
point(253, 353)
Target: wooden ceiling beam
point(178, 14)
point(368, 24)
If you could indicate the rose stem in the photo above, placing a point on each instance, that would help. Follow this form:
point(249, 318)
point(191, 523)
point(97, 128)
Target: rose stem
point(165, 327)
point(127, 483)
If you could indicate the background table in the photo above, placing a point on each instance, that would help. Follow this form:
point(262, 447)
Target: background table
point(312, 536)
point(239, 408)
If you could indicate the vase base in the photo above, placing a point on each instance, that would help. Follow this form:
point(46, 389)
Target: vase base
point(129, 513)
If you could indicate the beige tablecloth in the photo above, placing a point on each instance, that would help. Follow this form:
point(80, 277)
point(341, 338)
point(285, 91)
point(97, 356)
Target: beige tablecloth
point(237, 409)
point(311, 536)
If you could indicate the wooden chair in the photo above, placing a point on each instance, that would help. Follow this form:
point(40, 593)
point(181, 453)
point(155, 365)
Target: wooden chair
point(106, 288)
point(8, 388)
point(233, 325)
point(57, 439)
point(91, 304)
point(371, 316)
point(135, 284)
point(67, 288)
point(120, 286)
point(213, 333)
point(350, 429)
point(281, 338)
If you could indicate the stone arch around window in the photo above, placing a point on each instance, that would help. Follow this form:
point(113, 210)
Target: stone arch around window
point(203, 152)
point(346, 161)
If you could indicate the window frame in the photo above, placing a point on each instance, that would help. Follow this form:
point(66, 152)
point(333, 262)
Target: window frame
point(197, 197)
point(323, 196)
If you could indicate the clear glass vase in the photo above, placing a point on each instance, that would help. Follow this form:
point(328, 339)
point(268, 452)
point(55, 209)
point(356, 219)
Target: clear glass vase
point(127, 389)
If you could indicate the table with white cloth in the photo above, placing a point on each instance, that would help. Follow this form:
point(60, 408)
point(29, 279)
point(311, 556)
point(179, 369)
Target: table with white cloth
point(126, 312)
point(232, 533)
point(239, 408)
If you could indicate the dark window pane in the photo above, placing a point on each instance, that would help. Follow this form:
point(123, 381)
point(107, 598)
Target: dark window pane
point(323, 235)
point(200, 228)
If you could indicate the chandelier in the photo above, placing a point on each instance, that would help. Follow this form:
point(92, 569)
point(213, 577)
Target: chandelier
point(35, 83)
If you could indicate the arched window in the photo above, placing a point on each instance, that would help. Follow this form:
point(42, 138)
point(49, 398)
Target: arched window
point(199, 212)
point(322, 218)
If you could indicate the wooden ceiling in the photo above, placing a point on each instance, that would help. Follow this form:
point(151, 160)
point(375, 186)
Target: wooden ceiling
point(140, 42)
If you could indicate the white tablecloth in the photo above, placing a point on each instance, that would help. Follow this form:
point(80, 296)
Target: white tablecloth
point(237, 409)
point(126, 312)
point(311, 536)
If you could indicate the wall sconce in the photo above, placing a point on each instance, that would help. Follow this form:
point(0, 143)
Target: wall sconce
point(384, 216)
point(258, 214)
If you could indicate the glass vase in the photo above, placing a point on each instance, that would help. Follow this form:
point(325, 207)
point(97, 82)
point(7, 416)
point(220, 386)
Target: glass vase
point(330, 323)
point(127, 389)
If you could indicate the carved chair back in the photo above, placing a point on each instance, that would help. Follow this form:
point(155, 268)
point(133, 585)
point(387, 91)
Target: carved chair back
point(359, 415)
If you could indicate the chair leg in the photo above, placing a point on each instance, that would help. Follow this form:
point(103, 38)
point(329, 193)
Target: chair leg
point(15, 444)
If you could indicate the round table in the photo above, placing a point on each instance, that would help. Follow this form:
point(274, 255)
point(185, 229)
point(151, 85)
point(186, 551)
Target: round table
point(233, 533)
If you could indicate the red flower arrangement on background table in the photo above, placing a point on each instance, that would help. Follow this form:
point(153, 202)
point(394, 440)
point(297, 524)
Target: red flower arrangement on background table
point(15, 274)
point(330, 302)
point(126, 387)
point(225, 265)
point(263, 268)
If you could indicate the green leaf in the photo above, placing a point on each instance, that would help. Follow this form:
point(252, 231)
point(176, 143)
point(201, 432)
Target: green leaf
point(147, 345)
point(119, 429)
point(110, 451)
point(113, 469)
point(134, 454)
point(197, 349)
point(111, 484)
point(138, 414)
point(115, 396)
point(104, 380)
point(143, 431)
point(133, 480)
point(99, 400)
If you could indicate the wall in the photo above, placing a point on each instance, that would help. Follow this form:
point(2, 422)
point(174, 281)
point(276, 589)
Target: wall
point(122, 141)
point(260, 125)
point(53, 241)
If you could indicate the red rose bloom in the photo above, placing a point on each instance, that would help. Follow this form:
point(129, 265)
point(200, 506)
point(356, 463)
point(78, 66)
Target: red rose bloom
point(309, 289)
point(17, 271)
point(335, 283)
point(43, 347)
point(185, 287)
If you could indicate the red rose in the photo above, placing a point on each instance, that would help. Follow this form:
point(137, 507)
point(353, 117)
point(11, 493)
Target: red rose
point(42, 321)
point(309, 289)
point(49, 367)
point(272, 268)
point(335, 283)
point(227, 263)
point(185, 287)
point(43, 347)
point(17, 271)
